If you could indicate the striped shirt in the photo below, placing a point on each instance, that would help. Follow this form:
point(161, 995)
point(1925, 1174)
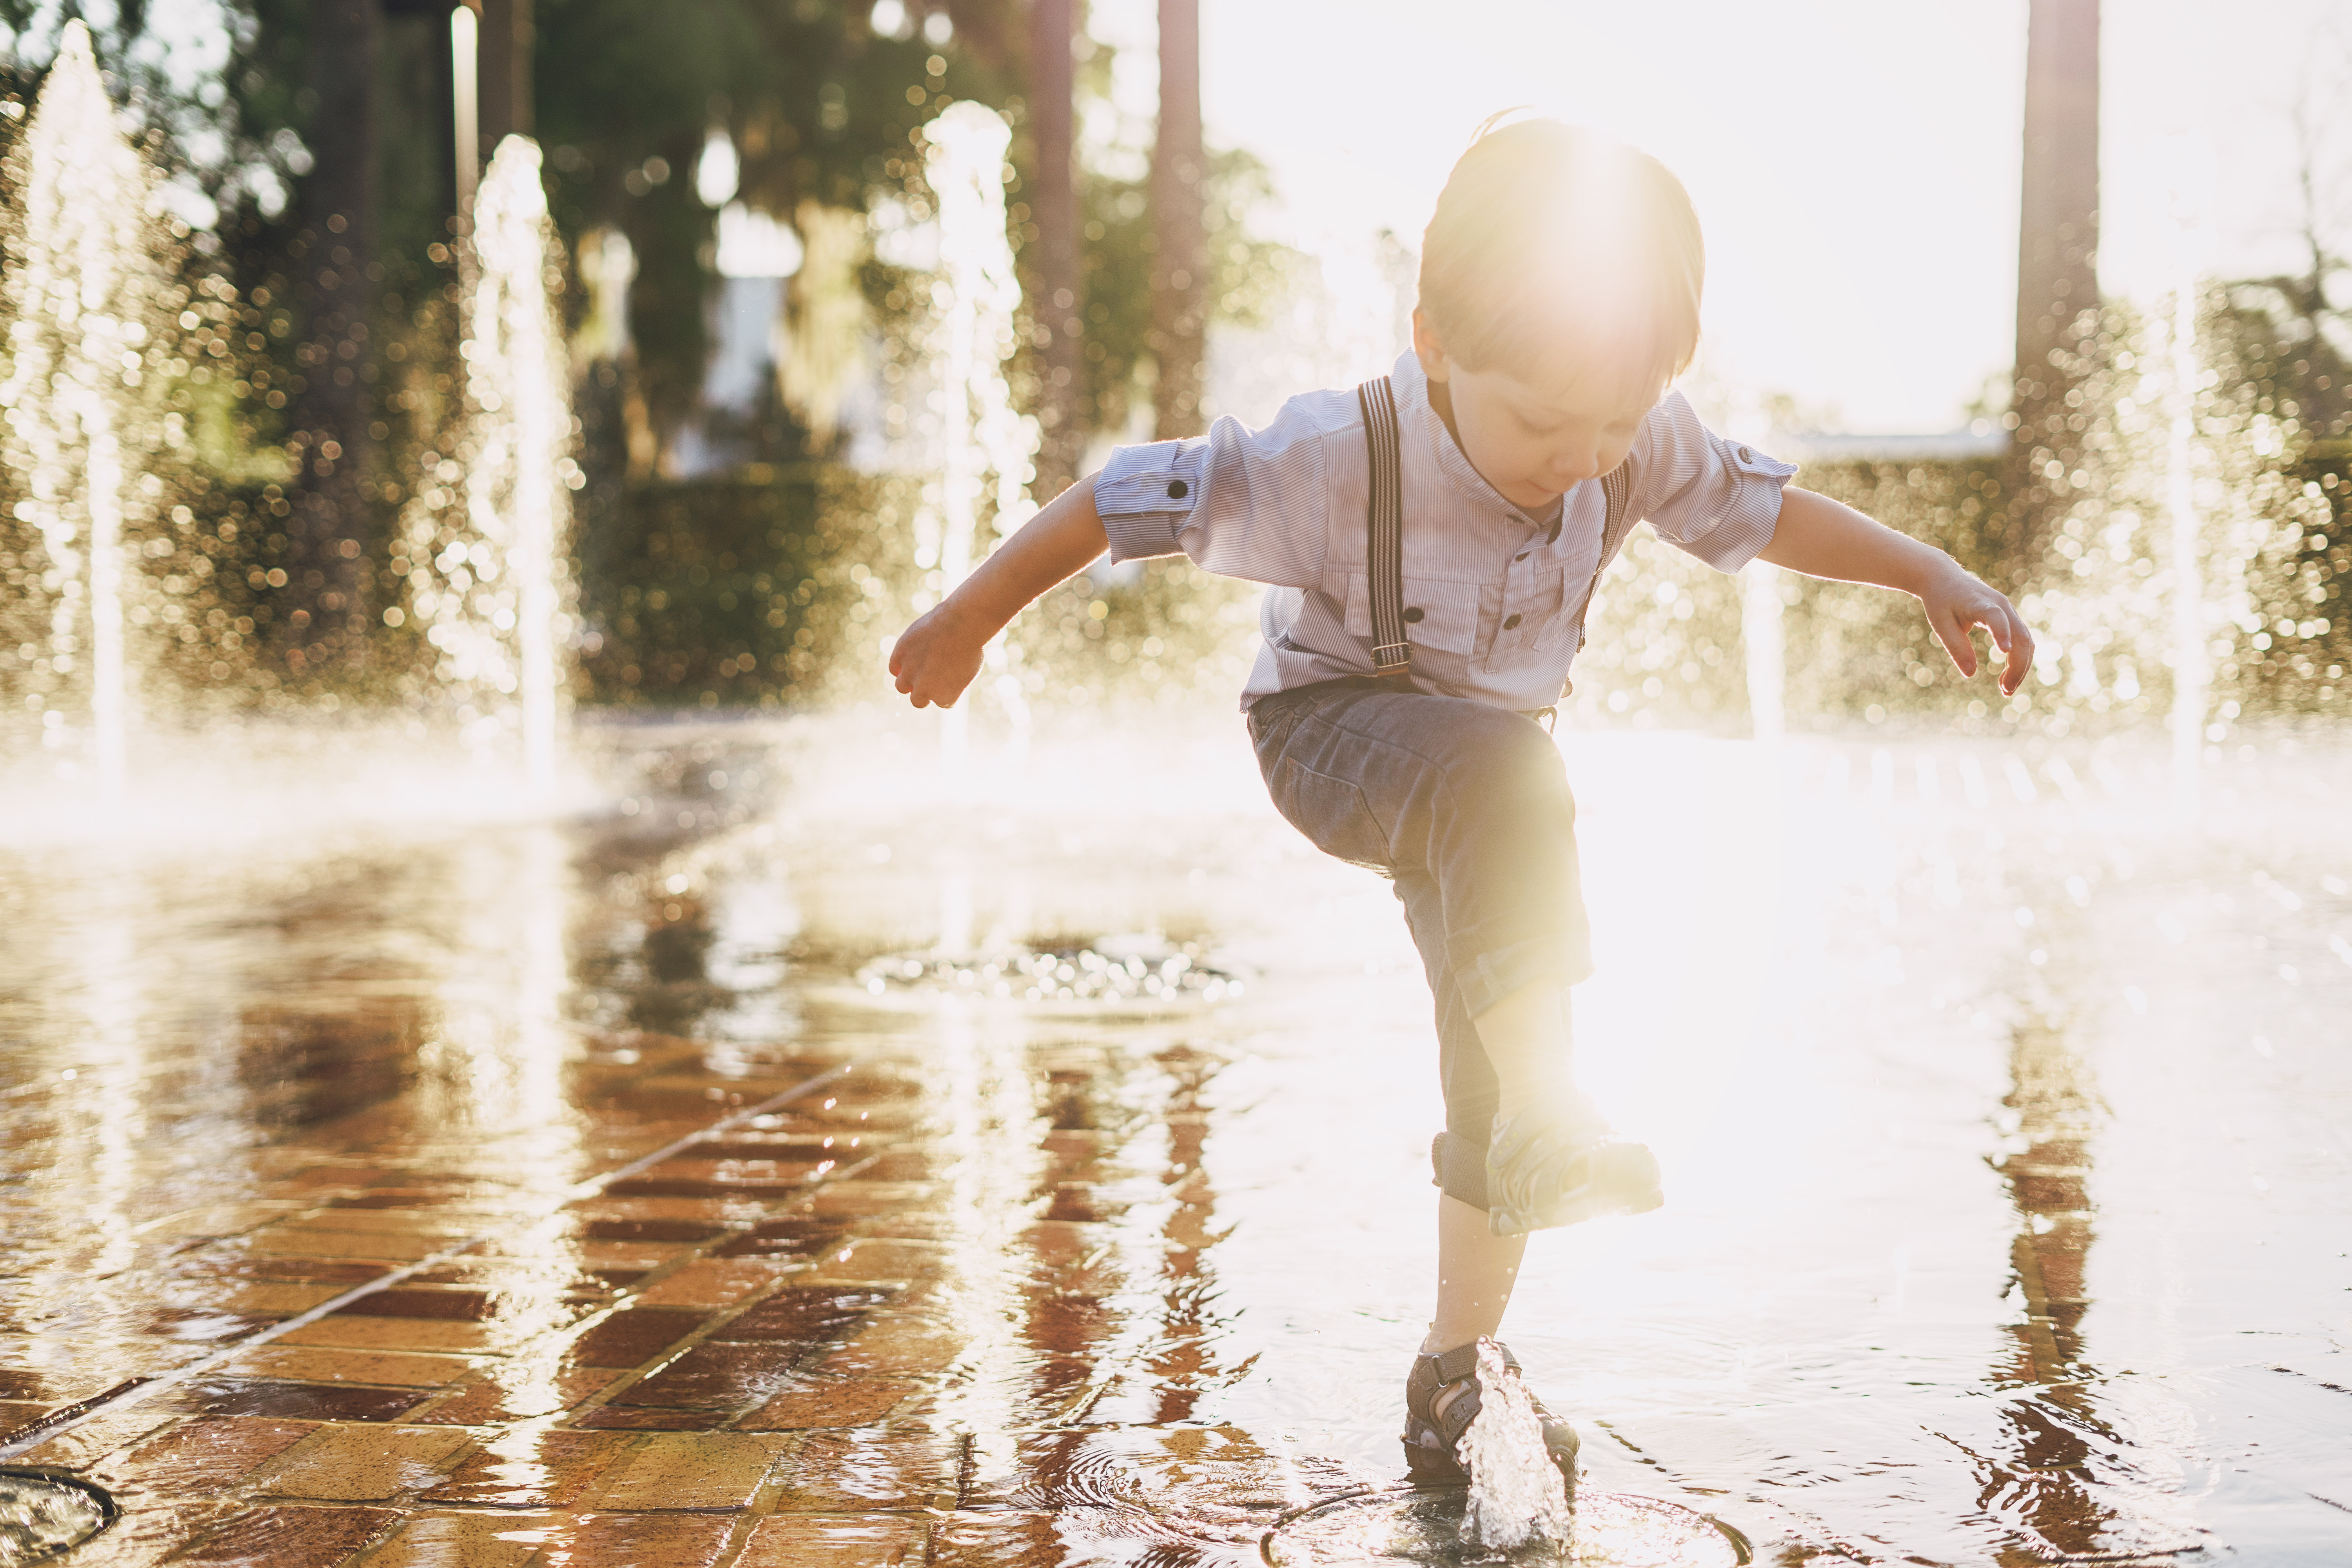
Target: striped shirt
point(1502, 594)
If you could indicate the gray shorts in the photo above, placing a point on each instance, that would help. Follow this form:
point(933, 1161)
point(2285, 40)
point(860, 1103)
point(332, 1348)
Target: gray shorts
point(1466, 808)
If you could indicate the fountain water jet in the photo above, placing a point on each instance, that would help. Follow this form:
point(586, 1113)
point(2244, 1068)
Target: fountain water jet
point(1763, 638)
point(86, 282)
point(491, 594)
point(2190, 677)
point(989, 451)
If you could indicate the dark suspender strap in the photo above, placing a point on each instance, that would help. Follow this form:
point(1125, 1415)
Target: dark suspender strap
point(1617, 497)
point(1384, 525)
point(1617, 493)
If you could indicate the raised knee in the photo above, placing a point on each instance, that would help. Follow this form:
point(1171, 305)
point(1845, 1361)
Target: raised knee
point(1508, 751)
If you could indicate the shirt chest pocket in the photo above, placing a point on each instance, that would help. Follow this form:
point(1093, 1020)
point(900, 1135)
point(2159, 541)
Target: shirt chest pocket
point(1438, 616)
point(1544, 626)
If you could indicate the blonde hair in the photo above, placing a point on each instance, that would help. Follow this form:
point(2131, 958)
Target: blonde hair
point(1550, 239)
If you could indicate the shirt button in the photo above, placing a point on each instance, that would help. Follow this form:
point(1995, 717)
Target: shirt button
point(1512, 624)
point(1746, 456)
point(1176, 491)
point(1413, 612)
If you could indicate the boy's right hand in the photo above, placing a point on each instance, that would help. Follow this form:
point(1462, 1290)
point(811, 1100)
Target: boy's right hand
point(935, 659)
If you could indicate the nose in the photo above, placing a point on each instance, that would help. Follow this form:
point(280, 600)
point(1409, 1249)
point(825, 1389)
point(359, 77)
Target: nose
point(1573, 465)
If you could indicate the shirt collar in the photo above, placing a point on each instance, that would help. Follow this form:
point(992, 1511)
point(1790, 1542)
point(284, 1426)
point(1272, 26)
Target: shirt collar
point(1423, 426)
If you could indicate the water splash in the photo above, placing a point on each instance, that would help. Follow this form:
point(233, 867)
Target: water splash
point(1114, 971)
point(1518, 1499)
point(1763, 637)
point(988, 449)
point(2190, 669)
point(491, 589)
point(87, 288)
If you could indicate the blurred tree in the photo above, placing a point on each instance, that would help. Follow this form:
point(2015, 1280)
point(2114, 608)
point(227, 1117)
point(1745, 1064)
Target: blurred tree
point(819, 105)
point(2296, 311)
point(1058, 283)
point(332, 519)
point(506, 102)
point(1179, 270)
point(1244, 275)
point(2057, 260)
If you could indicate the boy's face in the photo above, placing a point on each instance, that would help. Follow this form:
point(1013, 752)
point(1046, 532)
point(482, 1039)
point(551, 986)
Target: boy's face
point(1531, 441)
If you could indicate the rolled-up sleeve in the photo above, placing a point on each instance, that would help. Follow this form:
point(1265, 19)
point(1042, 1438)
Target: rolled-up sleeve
point(1143, 492)
point(1239, 502)
point(1716, 499)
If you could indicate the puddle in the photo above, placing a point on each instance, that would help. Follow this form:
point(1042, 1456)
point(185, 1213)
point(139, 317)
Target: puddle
point(43, 1516)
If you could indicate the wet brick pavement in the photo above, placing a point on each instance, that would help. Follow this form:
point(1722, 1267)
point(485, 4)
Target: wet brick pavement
point(1120, 1283)
point(760, 1351)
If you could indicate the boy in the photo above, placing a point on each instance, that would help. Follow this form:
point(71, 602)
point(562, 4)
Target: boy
point(1395, 703)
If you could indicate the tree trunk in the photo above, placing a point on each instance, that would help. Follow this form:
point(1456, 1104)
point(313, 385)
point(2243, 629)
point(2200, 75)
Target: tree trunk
point(331, 524)
point(2057, 249)
point(504, 72)
point(1180, 265)
point(1060, 304)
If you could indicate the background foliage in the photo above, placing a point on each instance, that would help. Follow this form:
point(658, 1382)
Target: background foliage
point(777, 584)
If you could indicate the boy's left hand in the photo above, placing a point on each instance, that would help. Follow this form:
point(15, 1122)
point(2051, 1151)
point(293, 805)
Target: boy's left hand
point(1957, 602)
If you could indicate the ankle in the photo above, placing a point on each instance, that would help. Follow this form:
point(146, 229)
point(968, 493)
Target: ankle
point(1437, 1343)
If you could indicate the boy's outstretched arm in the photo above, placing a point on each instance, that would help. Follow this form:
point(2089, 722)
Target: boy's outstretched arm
point(1822, 537)
point(936, 658)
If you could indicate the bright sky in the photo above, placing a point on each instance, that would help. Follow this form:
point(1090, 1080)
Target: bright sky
point(1854, 163)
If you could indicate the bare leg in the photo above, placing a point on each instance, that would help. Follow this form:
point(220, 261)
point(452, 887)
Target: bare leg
point(1476, 1271)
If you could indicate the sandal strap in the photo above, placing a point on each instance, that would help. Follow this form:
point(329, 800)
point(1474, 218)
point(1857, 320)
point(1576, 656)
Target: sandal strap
point(1462, 1361)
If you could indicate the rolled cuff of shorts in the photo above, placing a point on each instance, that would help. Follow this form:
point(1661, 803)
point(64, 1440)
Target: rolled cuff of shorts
point(1485, 979)
point(1459, 1168)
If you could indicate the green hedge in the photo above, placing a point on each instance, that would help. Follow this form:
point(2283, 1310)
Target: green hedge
point(743, 591)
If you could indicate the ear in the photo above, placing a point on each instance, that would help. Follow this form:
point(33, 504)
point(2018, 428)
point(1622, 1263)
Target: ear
point(1430, 349)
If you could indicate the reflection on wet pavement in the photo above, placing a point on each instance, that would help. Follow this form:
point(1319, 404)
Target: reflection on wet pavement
point(648, 1189)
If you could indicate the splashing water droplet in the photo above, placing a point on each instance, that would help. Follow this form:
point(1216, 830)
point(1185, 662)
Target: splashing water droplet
point(1517, 1497)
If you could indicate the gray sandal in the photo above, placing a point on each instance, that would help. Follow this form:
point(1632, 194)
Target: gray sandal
point(1432, 1438)
point(1546, 1168)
